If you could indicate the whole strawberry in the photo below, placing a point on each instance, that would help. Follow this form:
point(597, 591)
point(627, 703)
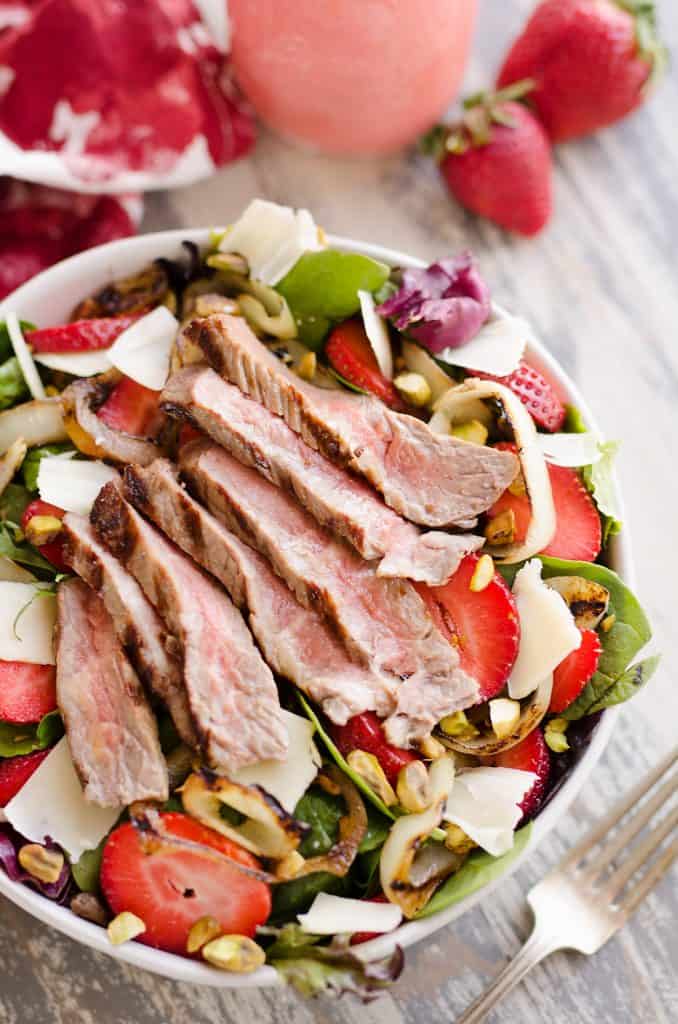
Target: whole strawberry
point(497, 160)
point(592, 62)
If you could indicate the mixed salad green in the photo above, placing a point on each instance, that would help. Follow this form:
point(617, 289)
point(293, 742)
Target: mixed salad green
point(547, 629)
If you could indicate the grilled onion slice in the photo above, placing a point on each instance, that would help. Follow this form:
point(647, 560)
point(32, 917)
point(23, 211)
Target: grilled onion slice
point(532, 463)
point(267, 829)
point(410, 874)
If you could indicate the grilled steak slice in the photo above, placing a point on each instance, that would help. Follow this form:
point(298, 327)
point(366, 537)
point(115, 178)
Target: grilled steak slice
point(295, 641)
point(81, 400)
point(111, 730)
point(336, 499)
point(383, 622)
point(140, 630)
point(432, 479)
point(231, 692)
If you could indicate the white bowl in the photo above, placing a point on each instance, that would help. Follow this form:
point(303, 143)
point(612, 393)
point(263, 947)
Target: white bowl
point(48, 299)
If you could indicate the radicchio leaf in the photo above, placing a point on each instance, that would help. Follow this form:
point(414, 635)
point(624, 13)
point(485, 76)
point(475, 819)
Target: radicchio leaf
point(10, 844)
point(442, 306)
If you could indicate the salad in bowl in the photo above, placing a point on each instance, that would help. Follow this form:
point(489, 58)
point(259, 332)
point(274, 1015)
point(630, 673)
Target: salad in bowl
point(311, 619)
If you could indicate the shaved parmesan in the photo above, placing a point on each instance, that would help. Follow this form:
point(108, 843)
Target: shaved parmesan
point(338, 915)
point(288, 780)
point(52, 804)
point(78, 364)
point(39, 422)
point(72, 484)
point(142, 352)
point(27, 623)
point(271, 238)
point(570, 449)
point(497, 347)
point(548, 632)
point(23, 354)
point(485, 803)
point(376, 330)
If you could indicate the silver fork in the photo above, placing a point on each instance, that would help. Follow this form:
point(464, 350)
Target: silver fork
point(587, 897)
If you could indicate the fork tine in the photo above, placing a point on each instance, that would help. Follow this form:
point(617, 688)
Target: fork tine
point(618, 811)
point(631, 829)
point(638, 855)
point(650, 879)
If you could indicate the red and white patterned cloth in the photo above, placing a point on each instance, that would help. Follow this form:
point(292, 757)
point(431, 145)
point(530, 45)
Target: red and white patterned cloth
point(106, 96)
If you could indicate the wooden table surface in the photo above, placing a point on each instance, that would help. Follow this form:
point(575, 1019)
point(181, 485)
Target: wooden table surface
point(599, 287)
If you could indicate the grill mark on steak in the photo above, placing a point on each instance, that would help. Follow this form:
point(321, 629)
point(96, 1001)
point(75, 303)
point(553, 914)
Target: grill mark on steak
point(383, 622)
point(231, 692)
point(295, 640)
point(111, 730)
point(337, 499)
point(139, 628)
point(431, 479)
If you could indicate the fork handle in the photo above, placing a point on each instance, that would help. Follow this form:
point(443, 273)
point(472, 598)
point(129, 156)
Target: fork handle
point(539, 945)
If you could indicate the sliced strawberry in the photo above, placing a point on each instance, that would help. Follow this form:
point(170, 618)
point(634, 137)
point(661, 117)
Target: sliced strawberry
point(53, 551)
point(79, 336)
point(16, 771)
point(131, 408)
point(536, 394)
point(530, 755)
point(27, 692)
point(365, 732)
point(578, 533)
point(359, 937)
point(171, 888)
point(350, 354)
point(574, 672)
point(483, 625)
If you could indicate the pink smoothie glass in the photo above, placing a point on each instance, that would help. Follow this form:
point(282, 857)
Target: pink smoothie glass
point(351, 76)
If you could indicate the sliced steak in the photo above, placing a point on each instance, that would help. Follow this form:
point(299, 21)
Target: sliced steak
point(383, 622)
point(295, 641)
point(111, 730)
point(231, 692)
point(432, 479)
point(338, 500)
point(153, 652)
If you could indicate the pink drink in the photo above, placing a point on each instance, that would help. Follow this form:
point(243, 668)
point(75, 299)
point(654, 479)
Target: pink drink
point(351, 76)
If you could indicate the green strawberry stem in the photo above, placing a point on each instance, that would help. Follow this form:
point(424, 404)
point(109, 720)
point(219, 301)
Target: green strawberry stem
point(650, 47)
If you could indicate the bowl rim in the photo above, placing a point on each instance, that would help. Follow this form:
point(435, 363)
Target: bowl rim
point(124, 256)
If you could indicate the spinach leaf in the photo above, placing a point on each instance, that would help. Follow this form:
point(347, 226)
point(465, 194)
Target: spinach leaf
point(13, 503)
point(86, 870)
point(6, 347)
point(629, 633)
point(321, 811)
point(31, 463)
point(602, 692)
point(323, 287)
point(477, 871)
point(24, 739)
point(365, 871)
point(336, 755)
point(23, 553)
point(13, 388)
point(378, 828)
point(296, 897)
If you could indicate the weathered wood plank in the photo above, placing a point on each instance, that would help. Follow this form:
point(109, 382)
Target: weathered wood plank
point(599, 287)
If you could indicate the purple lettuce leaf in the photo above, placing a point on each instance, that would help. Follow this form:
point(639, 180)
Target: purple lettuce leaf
point(442, 306)
point(10, 844)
